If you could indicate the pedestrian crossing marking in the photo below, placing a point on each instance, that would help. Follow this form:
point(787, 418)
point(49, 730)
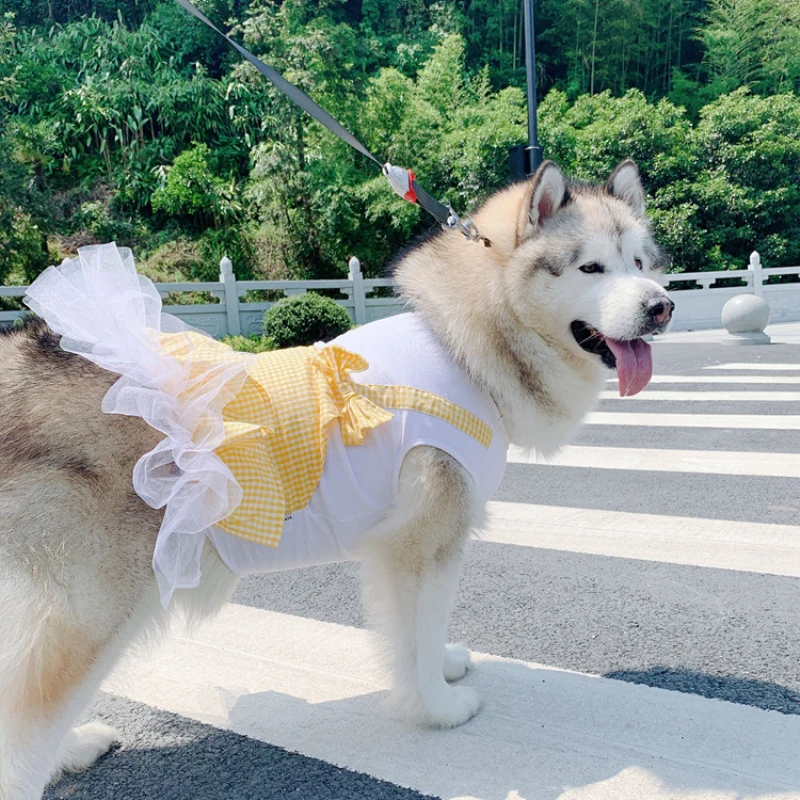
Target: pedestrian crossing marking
point(707, 462)
point(689, 541)
point(714, 396)
point(723, 379)
point(733, 421)
point(757, 366)
point(302, 684)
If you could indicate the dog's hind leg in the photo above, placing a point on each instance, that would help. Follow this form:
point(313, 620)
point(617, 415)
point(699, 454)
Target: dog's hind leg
point(47, 678)
point(412, 577)
point(45, 660)
point(69, 609)
point(53, 673)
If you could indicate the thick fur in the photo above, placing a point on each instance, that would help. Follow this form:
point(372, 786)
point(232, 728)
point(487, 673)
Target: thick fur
point(76, 543)
point(505, 311)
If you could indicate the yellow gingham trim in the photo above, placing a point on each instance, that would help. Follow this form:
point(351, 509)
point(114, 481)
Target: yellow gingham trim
point(412, 399)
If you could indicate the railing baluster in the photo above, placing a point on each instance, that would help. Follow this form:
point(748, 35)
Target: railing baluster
point(228, 281)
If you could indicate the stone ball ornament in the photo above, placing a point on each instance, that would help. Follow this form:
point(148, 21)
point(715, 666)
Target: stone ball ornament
point(745, 317)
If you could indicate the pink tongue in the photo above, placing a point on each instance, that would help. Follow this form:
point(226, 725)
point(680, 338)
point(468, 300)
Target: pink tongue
point(634, 365)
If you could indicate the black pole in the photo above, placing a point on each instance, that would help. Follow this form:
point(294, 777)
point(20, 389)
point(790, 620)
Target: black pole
point(534, 151)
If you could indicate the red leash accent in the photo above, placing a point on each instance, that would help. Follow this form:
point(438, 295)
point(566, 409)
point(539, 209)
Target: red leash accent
point(411, 195)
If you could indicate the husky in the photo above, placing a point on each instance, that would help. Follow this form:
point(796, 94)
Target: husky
point(536, 320)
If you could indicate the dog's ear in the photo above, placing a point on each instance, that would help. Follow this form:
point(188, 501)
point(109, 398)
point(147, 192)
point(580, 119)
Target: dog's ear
point(625, 184)
point(545, 196)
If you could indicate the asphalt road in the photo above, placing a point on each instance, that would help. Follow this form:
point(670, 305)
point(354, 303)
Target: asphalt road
point(646, 607)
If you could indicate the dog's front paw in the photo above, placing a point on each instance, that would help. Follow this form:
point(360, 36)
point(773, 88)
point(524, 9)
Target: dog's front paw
point(450, 707)
point(84, 745)
point(457, 661)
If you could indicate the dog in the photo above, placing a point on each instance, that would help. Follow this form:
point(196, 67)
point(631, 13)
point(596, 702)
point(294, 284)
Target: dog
point(536, 320)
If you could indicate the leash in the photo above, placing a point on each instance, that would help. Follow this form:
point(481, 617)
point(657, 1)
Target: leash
point(403, 181)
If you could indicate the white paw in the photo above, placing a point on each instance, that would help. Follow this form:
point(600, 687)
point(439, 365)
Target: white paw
point(450, 707)
point(84, 745)
point(457, 661)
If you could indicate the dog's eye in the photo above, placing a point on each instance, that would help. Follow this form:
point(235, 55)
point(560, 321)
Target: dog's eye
point(638, 262)
point(591, 268)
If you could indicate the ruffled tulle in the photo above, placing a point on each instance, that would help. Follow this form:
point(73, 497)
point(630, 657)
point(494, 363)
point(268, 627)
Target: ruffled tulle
point(245, 436)
point(108, 314)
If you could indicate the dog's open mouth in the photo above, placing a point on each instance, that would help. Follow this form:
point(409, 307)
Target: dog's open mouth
point(632, 358)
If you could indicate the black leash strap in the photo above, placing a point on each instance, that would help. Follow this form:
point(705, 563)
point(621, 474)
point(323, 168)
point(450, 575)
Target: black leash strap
point(402, 181)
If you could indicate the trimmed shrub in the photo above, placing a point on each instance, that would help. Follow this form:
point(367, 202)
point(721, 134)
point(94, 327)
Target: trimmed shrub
point(304, 320)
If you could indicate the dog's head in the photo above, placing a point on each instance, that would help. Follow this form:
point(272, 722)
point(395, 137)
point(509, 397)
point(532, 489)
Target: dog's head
point(580, 269)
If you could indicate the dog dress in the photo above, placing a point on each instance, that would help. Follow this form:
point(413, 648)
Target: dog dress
point(282, 459)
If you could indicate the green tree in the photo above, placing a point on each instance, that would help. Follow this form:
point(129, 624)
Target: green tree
point(592, 135)
point(752, 43)
point(717, 190)
point(452, 129)
point(23, 243)
point(745, 185)
point(132, 121)
point(190, 190)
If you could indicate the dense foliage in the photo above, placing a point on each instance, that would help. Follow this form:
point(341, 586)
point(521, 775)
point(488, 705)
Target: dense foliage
point(718, 188)
point(127, 120)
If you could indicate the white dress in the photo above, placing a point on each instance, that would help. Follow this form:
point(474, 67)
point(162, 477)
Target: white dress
point(108, 314)
point(359, 484)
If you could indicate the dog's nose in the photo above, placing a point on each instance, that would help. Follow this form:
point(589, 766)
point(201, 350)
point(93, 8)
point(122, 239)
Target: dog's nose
point(661, 311)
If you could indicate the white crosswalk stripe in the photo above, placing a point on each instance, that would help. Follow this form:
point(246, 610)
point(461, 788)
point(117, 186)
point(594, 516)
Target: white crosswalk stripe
point(705, 461)
point(706, 397)
point(755, 366)
point(746, 546)
point(777, 422)
point(588, 581)
point(252, 671)
point(772, 380)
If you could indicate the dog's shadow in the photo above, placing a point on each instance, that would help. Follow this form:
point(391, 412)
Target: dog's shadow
point(543, 734)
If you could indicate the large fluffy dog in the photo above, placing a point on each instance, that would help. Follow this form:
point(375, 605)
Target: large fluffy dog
point(535, 320)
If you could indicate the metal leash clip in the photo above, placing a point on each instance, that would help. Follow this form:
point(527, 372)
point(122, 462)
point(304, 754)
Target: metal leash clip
point(466, 226)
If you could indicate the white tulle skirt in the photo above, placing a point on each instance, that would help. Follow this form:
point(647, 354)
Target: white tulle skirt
point(108, 314)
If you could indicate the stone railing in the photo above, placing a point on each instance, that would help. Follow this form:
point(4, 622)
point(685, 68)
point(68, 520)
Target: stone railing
point(698, 296)
point(229, 313)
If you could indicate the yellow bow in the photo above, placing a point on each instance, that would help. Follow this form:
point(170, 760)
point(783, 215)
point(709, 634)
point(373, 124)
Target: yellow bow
point(356, 413)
